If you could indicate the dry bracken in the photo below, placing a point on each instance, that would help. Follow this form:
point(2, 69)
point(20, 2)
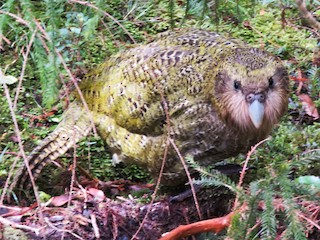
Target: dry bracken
point(222, 97)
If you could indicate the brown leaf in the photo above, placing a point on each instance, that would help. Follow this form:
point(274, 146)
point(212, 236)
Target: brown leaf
point(59, 200)
point(97, 194)
point(309, 106)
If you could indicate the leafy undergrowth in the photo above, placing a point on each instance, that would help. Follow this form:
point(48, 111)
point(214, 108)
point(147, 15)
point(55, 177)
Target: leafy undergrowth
point(84, 37)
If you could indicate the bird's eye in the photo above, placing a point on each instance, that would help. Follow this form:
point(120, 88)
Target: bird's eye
point(237, 85)
point(271, 82)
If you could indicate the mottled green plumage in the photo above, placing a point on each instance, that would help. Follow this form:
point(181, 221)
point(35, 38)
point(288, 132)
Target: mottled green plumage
point(208, 83)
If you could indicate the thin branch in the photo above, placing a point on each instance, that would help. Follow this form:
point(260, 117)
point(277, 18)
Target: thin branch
point(305, 14)
point(243, 172)
point(253, 149)
point(95, 226)
point(62, 230)
point(78, 90)
point(7, 182)
point(155, 190)
point(188, 175)
point(74, 81)
point(114, 41)
point(163, 163)
point(298, 27)
point(166, 110)
point(18, 134)
point(24, 65)
point(7, 222)
point(310, 221)
point(18, 19)
point(73, 178)
point(73, 170)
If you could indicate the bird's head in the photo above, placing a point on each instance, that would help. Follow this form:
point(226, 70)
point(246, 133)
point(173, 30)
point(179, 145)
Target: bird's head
point(251, 90)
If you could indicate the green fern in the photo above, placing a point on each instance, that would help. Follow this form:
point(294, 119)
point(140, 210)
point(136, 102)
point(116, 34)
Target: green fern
point(268, 216)
point(212, 177)
point(273, 208)
point(7, 6)
point(47, 72)
point(314, 76)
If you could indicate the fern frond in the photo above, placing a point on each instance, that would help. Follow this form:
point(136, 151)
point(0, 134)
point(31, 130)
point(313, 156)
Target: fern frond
point(91, 24)
point(314, 76)
point(268, 216)
point(211, 177)
point(7, 6)
point(294, 228)
point(47, 70)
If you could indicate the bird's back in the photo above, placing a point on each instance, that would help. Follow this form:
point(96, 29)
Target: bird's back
point(179, 66)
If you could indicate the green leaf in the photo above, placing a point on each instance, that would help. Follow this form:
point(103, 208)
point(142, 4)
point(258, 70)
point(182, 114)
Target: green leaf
point(75, 30)
point(44, 197)
point(55, 119)
point(3, 152)
point(312, 181)
point(7, 79)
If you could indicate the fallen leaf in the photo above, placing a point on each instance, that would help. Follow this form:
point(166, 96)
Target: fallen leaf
point(97, 194)
point(59, 200)
point(309, 106)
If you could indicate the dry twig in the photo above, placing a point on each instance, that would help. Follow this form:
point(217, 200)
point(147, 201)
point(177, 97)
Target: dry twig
point(7, 222)
point(307, 15)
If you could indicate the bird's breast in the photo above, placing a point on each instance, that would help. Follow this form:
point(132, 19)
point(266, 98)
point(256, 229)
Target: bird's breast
point(206, 137)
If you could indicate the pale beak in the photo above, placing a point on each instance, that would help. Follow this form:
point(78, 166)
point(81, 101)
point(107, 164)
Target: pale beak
point(256, 112)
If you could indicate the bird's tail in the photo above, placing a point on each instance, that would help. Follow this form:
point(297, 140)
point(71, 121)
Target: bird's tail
point(75, 125)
